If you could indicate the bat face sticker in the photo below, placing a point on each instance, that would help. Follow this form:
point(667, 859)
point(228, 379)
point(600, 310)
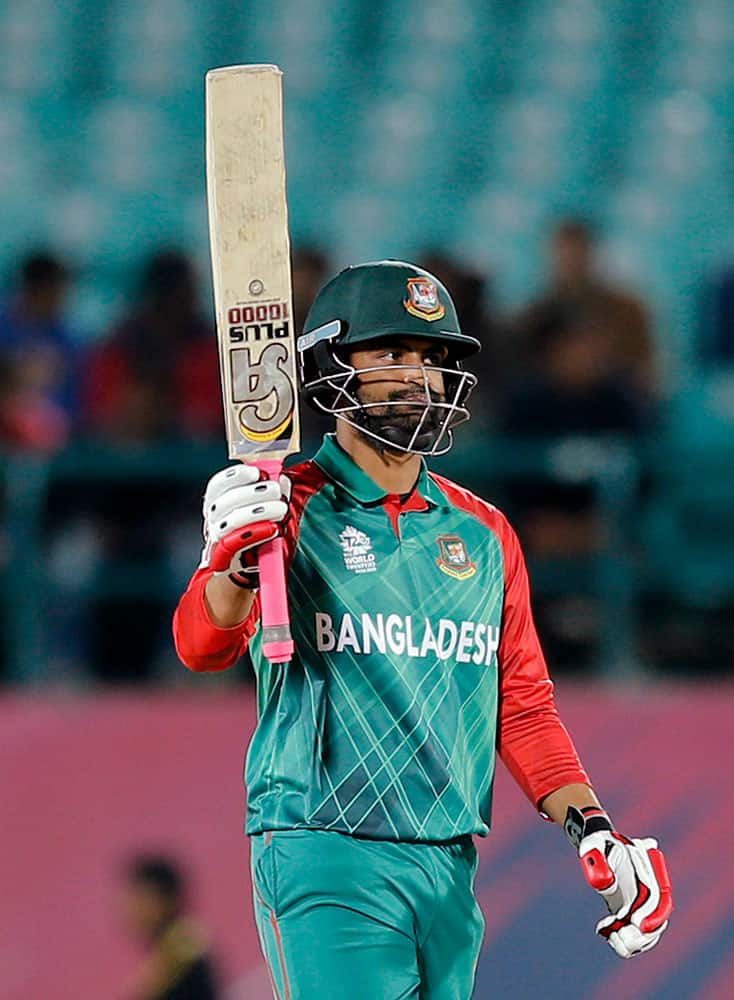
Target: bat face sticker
point(266, 391)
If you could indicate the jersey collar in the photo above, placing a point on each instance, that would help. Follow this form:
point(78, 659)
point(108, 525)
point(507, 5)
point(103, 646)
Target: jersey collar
point(344, 471)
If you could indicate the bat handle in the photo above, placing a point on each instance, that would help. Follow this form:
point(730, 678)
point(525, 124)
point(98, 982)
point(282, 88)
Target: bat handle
point(274, 617)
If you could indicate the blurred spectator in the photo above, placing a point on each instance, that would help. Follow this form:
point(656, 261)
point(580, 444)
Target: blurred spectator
point(575, 389)
point(719, 345)
point(38, 358)
point(157, 376)
point(154, 380)
point(468, 289)
point(577, 295)
point(178, 964)
point(29, 419)
point(588, 369)
point(310, 268)
point(470, 292)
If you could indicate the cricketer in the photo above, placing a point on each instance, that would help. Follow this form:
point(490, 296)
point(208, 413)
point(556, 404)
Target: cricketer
point(416, 661)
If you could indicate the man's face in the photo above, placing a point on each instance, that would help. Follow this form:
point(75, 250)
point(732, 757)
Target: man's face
point(404, 382)
point(144, 910)
point(46, 299)
point(572, 255)
point(406, 375)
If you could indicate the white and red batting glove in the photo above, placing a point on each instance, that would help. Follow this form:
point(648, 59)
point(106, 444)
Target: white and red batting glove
point(630, 875)
point(242, 509)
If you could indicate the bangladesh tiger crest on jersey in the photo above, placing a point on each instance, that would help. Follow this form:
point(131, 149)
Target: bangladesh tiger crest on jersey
point(422, 299)
point(454, 559)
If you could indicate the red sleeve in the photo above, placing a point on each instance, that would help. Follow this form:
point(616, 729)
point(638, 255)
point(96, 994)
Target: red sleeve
point(201, 645)
point(531, 739)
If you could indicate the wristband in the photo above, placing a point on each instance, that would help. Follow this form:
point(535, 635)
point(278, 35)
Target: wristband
point(579, 823)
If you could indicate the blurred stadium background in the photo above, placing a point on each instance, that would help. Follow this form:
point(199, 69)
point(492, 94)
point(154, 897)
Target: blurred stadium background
point(460, 134)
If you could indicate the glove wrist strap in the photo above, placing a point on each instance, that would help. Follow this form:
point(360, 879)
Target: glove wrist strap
point(579, 823)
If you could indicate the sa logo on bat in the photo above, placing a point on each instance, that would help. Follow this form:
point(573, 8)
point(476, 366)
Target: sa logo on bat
point(262, 386)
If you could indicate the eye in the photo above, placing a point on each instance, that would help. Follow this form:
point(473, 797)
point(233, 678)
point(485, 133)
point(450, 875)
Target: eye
point(435, 358)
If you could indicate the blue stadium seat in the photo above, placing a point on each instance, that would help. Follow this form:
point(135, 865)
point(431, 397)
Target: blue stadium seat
point(155, 48)
point(24, 194)
point(677, 136)
point(696, 51)
point(97, 301)
point(35, 48)
point(128, 144)
point(503, 231)
point(366, 225)
point(79, 224)
point(532, 143)
point(691, 509)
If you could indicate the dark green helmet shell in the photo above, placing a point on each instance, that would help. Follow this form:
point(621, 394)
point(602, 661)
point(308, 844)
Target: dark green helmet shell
point(385, 298)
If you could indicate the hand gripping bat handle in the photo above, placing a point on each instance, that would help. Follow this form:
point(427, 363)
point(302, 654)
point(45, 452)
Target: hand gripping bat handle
point(274, 617)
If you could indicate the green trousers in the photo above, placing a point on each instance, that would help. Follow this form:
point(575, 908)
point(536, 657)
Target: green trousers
point(339, 917)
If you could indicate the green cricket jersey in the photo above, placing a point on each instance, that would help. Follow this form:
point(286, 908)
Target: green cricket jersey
point(411, 622)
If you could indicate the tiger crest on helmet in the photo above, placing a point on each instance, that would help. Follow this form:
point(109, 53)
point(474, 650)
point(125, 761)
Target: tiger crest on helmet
point(422, 299)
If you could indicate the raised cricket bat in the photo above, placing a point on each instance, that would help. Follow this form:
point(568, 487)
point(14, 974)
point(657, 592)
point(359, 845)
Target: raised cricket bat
point(250, 251)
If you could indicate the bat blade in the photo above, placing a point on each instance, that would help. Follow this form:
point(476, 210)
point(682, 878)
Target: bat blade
point(250, 253)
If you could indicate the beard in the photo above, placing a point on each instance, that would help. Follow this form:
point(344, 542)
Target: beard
point(396, 425)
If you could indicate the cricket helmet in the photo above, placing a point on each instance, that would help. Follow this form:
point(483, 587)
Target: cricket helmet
point(374, 302)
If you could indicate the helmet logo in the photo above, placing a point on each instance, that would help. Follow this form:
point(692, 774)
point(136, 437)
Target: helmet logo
point(422, 299)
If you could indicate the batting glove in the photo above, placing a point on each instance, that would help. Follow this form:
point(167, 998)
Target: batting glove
point(631, 876)
point(242, 510)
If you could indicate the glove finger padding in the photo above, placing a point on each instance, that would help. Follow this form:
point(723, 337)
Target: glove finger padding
point(241, 515)
point(230, 478)
point(227, 554)
point(632, 877)
point(235, 477)
point(629, 940)
point(242, 496)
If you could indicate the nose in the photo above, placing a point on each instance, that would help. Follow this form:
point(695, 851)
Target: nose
point(415, 372)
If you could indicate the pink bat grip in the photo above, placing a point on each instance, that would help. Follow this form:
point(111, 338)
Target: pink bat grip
point(274, 617)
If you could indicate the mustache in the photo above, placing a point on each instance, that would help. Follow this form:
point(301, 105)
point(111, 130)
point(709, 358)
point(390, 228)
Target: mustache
point(416, 395)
